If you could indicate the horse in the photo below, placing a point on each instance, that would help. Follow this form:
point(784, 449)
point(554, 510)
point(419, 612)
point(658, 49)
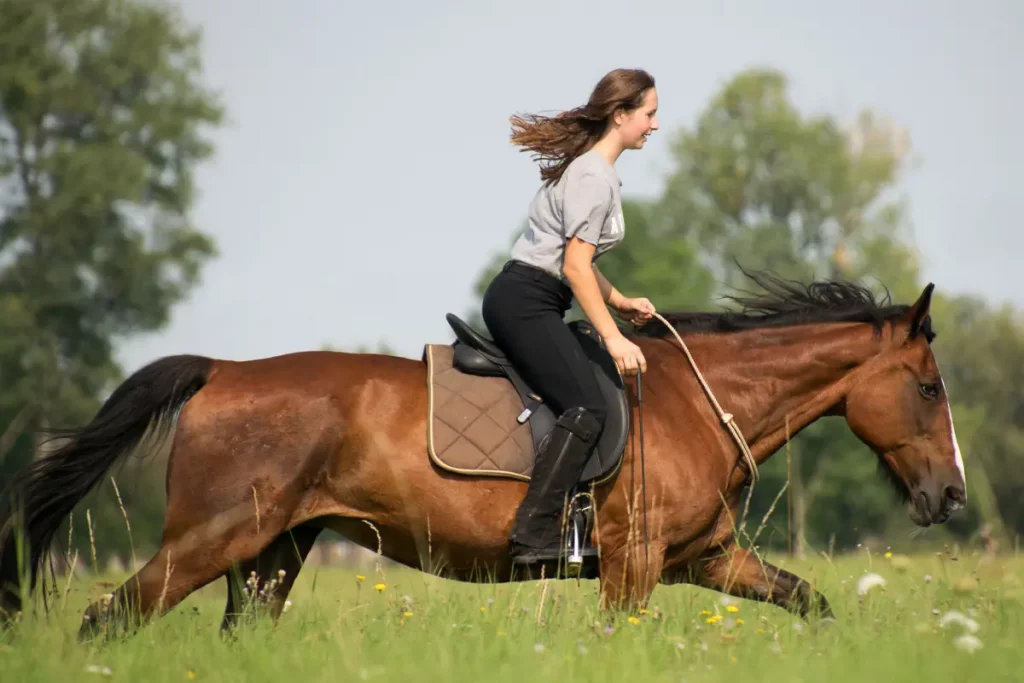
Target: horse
point(267, 453)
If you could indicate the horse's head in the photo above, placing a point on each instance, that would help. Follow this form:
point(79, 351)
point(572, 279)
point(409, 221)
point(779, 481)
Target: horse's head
point(899, 407)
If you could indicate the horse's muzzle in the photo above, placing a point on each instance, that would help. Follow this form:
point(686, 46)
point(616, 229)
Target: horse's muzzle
point(933, 504)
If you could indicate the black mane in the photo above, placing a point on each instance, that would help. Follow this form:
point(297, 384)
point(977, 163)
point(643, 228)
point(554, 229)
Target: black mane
point(788, 302)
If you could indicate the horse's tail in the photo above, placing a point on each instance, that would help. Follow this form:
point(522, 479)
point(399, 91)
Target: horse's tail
point(45, 492)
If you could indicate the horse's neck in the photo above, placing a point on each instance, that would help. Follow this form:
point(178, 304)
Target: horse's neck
point(777, 381)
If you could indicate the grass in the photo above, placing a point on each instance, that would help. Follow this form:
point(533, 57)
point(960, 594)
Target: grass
point(340, 627)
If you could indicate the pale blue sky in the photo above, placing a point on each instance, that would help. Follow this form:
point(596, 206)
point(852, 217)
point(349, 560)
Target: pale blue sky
point(364, 175)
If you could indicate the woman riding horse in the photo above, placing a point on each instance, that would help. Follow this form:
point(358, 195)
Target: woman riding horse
point(575, 217)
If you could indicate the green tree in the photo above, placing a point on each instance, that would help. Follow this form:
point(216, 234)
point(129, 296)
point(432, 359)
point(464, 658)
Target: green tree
point(102, 120)
point(760, 185)
point(980, 351)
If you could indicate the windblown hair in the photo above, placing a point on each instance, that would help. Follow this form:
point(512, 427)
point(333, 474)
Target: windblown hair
point(557, 140)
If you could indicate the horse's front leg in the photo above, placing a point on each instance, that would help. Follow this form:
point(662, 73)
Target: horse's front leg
point(629, 575)
point(737, 571)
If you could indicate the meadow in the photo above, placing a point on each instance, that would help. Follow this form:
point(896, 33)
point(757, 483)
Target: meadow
point(936, 617)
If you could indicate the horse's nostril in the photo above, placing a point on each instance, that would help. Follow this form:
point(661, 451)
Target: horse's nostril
point(953, 496)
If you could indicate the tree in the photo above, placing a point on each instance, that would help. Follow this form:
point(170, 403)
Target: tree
point(759, 185)
point(101, 126)
point(980, 350)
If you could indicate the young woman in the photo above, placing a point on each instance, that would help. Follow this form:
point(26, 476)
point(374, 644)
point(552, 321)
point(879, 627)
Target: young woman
point(575, 217)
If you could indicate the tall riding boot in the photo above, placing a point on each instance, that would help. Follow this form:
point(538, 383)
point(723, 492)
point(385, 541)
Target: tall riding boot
point(537, 532)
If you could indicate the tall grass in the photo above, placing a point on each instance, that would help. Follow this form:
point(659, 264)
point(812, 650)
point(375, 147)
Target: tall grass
point(937, 617)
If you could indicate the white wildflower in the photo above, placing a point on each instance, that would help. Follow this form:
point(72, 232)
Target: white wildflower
point(954, 617)
point(967, 643)
point(867, 582)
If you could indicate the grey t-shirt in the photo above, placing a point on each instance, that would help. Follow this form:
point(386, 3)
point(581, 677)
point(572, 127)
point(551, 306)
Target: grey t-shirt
point(585, 202)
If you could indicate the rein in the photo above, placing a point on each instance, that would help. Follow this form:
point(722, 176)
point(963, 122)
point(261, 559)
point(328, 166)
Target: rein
point(724, 417)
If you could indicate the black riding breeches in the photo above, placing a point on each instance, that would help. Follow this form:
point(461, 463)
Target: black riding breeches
point(524, 309)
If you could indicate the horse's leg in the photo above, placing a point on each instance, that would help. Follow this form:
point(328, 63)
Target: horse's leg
point(628, 576)
point(286, 553)
point(737, 571)
point(191, 556)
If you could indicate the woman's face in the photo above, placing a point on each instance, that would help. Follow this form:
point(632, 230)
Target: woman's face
point(635, 126)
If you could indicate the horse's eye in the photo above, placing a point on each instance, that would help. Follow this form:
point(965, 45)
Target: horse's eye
point(929, 391)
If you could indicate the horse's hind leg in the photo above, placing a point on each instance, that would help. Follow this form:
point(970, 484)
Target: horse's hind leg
point(274, 570)
point(188, 559)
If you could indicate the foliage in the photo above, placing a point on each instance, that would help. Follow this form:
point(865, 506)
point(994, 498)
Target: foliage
point(102, 121)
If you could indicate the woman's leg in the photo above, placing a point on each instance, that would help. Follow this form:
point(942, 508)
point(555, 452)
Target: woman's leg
point(524, 315)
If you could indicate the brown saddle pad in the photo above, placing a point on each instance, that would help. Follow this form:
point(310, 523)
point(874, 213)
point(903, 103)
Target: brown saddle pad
point(471, 421)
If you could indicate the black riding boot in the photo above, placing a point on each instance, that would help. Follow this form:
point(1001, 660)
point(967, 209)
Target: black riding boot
point(537, 533)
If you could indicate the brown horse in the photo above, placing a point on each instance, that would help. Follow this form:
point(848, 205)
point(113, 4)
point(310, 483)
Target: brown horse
point(267, 453)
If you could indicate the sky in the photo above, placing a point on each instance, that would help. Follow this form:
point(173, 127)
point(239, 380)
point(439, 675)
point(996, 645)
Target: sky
point(363, 175)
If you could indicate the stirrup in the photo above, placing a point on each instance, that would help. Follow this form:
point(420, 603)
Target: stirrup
point(577, 530)
point(526, 556)
point(574, 551)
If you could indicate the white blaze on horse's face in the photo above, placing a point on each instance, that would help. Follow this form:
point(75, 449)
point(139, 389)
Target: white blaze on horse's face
point(956, 447)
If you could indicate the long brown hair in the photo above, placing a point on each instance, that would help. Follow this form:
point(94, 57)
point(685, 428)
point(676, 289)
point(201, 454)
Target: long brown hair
point(556, 141)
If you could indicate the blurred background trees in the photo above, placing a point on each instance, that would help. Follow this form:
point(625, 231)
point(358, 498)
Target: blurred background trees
point(101, 126)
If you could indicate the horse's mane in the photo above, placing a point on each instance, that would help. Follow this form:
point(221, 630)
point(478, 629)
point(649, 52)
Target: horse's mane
point(788, 302)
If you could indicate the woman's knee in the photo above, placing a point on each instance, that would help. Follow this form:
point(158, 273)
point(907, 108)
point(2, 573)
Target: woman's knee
point(595, 408)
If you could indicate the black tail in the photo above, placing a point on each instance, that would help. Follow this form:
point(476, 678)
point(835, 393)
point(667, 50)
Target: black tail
point(44, 493)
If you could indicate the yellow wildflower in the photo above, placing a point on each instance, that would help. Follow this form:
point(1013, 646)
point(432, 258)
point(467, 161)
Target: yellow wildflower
point(191, 675)
point(739, 621)
point(360, 577)
point(643, 611)
point(407, 614)
point(634, 620)
point(381, 586)
point(483, 610)
point(888, 556)
point(732, 609)
point(705, 612)
point(714, 620)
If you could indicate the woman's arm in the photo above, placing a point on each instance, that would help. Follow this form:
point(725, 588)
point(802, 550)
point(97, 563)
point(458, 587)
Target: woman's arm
point(612, 296)
point(583, 279)
point(589, 286)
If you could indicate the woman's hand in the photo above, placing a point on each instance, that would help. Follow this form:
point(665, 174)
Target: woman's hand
point(638, 310)
point(627, 356)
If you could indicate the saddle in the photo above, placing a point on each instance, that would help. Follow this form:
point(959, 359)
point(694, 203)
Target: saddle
point(485, 420)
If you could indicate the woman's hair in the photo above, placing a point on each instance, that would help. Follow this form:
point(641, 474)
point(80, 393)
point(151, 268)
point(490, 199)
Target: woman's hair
point(556, 141)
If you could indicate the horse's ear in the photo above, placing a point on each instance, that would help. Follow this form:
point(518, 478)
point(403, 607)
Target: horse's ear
point(919, 311)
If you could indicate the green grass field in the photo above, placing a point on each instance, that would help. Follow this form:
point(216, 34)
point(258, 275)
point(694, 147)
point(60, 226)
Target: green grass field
point(399, 625)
